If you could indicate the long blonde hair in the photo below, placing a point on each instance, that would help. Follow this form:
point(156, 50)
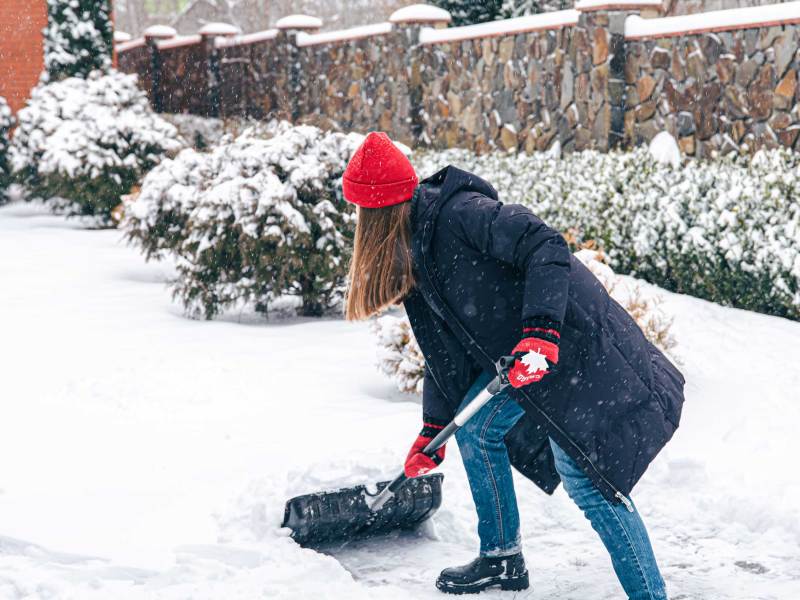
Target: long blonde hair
point(381, 270)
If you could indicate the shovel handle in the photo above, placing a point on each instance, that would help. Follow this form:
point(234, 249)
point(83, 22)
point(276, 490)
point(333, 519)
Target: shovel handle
point(465, 414)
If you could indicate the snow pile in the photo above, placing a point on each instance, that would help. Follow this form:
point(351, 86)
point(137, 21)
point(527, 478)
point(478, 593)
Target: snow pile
point(177, 450)
point(727, 230)
point(6, 123)
point(78, 39)
point(400, 358)
point(83, 143)
point(665, 149)
point(251, 221)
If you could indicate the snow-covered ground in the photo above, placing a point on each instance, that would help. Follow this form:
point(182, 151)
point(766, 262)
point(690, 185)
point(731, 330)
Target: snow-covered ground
point(146, 455)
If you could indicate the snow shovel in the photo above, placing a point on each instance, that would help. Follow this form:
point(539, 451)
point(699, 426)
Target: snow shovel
point(403, 503)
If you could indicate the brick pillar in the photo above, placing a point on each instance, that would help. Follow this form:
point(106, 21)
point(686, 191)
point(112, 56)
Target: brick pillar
point(291, 100)
point(210, 32)
point(602, 22)
point(409, 22)
point(152, 35)
point(21, 48)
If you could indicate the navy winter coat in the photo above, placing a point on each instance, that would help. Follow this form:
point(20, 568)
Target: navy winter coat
point(482, 268)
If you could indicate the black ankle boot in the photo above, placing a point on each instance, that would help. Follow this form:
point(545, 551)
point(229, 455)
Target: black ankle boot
point(508, 572)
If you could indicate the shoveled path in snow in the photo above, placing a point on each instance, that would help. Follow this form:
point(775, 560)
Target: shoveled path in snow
point(146, 455)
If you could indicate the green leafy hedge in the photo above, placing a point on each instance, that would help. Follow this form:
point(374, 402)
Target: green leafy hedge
point(727, 230)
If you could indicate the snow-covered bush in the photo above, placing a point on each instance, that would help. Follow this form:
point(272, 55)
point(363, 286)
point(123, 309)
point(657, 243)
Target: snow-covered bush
point(400, 358)
point(78, 38)
point(251, 221)
point(83, 143)
point(727, 229)
point(6, 123)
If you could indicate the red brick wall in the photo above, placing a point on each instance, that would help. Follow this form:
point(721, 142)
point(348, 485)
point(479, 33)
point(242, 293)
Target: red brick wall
point(21, 54)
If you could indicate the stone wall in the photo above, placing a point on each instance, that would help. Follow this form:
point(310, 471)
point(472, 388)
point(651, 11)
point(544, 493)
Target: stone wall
point(184, 77)
point(137, 57)
point(716, 90)
point(592, 77)
point(360, 85)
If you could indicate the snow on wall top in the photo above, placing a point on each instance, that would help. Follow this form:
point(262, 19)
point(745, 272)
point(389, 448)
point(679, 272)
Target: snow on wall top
point(548, 20)
point(223, 29)
point(160, 31)
point(122, 36)
point(591, 5)
point(299, 22)
point(250, 38)
point(717, 20)
point(180, 40)
point(130, 45)
point(420, 13)
point(343, 35)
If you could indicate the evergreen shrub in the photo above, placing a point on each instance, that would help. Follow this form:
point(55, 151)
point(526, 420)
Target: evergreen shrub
point(78, 39)
point(255, 220)
point(82, 144)
point(6, 123)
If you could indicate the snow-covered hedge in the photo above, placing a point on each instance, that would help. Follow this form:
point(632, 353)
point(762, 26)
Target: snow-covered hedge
point(83, 143)
point(6, 122)
point(727, 230)
point(254, 220)
point(400, 358)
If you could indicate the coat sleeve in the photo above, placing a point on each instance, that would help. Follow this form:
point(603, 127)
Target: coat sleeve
point(435, 407)
point(513, 234)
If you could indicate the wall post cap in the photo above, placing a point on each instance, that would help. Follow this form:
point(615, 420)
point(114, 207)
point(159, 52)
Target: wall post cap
point(160, 32)
point(218, 30)
point(301, 22)
point(420, 13)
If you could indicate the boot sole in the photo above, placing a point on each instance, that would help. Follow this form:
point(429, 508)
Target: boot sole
point(515, 584)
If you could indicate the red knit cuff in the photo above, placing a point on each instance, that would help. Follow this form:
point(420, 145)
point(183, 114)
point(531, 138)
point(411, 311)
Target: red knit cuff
point(543, 329)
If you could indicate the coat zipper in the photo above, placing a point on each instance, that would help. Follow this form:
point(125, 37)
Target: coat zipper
point(617, 494)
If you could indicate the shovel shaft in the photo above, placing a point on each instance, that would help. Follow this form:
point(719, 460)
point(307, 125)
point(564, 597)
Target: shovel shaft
point(464, 415)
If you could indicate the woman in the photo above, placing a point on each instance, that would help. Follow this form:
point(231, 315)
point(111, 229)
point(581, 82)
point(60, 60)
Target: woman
point(592, 401)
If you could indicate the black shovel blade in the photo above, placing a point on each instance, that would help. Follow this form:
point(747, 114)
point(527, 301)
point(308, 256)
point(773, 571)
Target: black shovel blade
point(342, 515)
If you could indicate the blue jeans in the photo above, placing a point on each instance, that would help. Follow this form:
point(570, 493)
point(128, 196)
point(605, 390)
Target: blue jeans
point(483, 450)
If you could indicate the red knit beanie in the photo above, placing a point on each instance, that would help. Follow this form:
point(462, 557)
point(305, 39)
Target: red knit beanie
point(378, 174)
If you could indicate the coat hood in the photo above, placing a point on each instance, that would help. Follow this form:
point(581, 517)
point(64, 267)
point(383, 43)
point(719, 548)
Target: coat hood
point(433, 191)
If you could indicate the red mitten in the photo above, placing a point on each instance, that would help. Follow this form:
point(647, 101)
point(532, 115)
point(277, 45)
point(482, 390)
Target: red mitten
point(418, 463)
point(534, 356)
